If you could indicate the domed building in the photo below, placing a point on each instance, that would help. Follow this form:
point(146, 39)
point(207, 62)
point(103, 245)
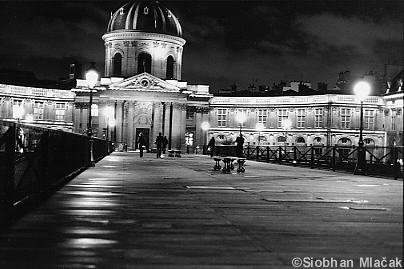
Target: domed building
point(142, 89)
point(143, 37)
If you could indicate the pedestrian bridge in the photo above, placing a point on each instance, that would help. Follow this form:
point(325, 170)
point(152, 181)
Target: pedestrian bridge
point(132, 212)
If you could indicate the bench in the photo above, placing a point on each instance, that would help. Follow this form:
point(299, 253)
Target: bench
point(177, 153)
point(217, 164)
point(228, 164)
point(241, 162)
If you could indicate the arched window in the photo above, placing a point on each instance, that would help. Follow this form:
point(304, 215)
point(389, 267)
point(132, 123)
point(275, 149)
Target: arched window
point(281, 139)
point(170, 68)
point(300, 140)
point(344, 142)
point(317, 141)
point(117, 65)
point(369, 142)
point(144, 63)
point(94, 110)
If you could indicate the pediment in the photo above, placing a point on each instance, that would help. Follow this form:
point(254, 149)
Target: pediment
point(144, 82)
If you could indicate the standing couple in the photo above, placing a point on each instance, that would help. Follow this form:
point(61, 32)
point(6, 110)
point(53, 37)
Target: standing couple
point(161, 143)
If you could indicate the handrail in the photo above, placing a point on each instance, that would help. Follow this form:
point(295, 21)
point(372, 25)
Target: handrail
point(34, 158)
point(386, 161)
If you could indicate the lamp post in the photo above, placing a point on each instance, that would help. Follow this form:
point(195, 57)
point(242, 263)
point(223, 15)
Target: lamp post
point(286, 124)
point(241, 118)
point(260, 127)
point(361, 90)
point(91, 79)
point(205, 127)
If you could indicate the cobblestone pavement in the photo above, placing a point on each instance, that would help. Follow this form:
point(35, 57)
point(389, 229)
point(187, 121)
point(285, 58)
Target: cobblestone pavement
point(131, 212)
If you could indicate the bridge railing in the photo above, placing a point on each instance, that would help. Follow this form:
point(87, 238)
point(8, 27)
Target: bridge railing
point(33, 159)
point(386, 161)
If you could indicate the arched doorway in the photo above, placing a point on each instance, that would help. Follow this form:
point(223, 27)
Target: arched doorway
point(146, 134)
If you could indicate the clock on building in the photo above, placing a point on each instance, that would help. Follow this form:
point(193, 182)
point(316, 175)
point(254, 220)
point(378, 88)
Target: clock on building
point(145, 83)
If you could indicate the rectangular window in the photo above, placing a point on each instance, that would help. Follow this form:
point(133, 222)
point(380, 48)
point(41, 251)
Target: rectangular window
point(262, 116)
point(301, 117)
point(368, 119)
point(393, 120)
point(60, 111)
point(221, 117)
point(318, 118)
point(345, 118)
point(282, 116)
point(244, 123)
point(38, 110)
point(17, 109)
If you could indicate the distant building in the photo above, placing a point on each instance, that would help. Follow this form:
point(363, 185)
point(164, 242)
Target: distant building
point(142, 91)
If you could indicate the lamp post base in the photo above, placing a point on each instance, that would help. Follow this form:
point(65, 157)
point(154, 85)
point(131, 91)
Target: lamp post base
point(359, 171)
point(360, 168)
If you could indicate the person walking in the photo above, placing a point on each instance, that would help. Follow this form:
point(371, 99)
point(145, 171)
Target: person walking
point(239, 147)
point(165, 143)
point(141, 141)
point(159, 143)
point(211, 146)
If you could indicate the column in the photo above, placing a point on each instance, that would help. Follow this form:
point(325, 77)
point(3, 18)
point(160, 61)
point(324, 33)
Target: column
point(118, 121)
point(125, 135)
point(131, 131)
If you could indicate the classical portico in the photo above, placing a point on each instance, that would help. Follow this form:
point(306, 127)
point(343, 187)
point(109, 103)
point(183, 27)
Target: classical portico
point(142, 103)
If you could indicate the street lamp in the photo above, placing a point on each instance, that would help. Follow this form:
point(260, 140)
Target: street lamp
point(286, 124)
point(205, 127)
point(241, 118)
point(91, 79)
point(260, 127)
point(361, 90)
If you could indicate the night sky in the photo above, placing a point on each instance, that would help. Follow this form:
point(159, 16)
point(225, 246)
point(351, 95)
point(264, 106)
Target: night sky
point(260, 42)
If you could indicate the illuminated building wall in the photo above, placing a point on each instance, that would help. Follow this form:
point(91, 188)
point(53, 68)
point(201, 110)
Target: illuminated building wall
point(328, 119)
point(50, 108)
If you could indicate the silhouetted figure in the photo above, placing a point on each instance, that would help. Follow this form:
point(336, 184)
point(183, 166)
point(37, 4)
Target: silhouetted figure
point(159, 143)
point(239, 146)
point(165, 143)
point(141, 141)
point(211, 146)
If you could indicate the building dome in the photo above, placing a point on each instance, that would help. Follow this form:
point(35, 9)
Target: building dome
point(145, 16)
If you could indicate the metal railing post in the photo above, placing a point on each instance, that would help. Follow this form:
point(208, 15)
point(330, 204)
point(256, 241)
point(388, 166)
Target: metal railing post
point(333, 160)
point(267, 154)
point(312, 158)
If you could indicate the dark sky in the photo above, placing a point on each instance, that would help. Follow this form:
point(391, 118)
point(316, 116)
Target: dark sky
point(227, 41)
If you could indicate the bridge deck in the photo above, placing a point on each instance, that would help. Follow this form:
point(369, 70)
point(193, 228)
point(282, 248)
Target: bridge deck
point(131, 212)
